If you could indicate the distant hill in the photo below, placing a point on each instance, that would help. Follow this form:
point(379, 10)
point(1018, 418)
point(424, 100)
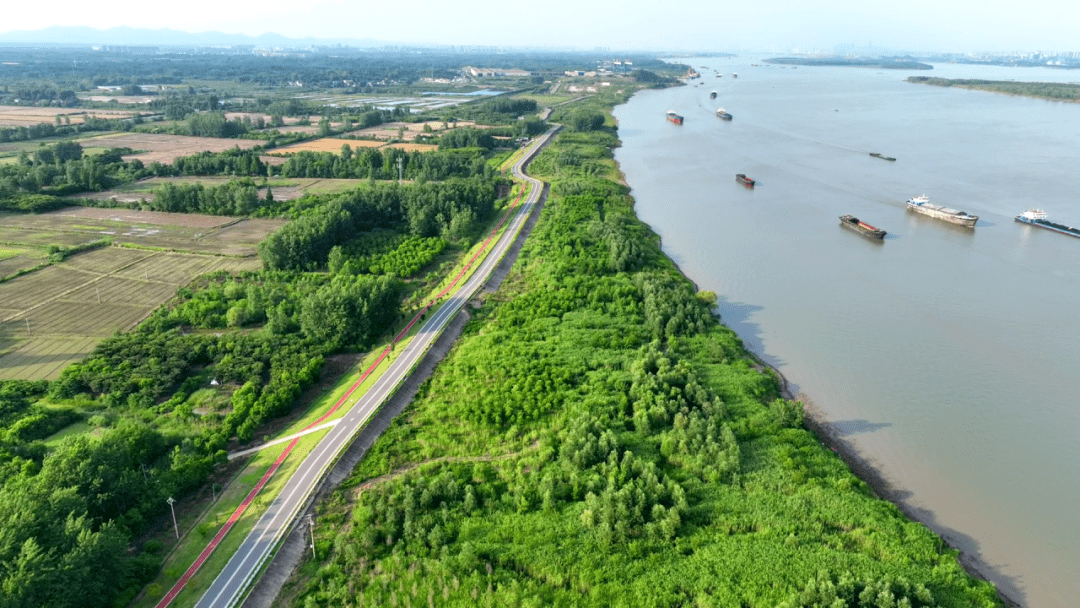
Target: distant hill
point(129, 36)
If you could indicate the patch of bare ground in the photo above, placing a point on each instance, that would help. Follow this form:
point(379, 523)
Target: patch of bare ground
point(167, 148)
point(144, 217)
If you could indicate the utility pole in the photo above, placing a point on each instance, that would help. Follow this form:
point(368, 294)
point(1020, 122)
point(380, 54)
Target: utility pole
point(173, 509)
point(311, 531)
point(399, 161)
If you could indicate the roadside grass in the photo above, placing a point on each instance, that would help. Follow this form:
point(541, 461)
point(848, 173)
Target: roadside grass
point(207, 523)
point(77, 428)
point(201, 527)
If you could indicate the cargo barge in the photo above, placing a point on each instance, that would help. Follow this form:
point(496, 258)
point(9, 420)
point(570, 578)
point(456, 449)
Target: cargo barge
point(921, 204)
point(1037, 217)
point(853, 223)
point(723, 114)
point(675, 118)
point(744, 180)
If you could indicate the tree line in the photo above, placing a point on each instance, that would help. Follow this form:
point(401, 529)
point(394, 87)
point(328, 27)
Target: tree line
point(451, 209)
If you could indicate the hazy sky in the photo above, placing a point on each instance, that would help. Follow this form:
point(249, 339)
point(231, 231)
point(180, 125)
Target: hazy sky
point(946, 25)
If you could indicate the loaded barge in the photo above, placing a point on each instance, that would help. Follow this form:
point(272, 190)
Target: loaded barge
point(853, 223)
point(675, 118)
point(921, 204)
point(1037, 217)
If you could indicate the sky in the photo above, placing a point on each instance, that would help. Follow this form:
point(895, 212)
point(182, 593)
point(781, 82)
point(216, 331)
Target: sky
point(691, 25)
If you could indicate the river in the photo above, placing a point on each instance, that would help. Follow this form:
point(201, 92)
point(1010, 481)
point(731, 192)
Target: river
point(948, 358)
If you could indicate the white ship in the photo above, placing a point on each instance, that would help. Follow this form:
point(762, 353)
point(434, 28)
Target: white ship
point(922, 205)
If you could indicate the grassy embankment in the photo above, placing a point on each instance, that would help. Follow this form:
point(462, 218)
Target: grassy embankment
point(597, 438)
point(1054, 91)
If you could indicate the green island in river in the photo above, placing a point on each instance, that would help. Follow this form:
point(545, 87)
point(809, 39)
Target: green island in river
point(1056, 91)
point(597, 437)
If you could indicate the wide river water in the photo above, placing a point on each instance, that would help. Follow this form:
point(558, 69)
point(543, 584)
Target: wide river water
point(949, 358)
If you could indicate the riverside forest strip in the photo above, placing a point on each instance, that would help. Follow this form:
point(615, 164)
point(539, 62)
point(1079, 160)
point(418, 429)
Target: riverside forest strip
point(668, 470)
point(1055, 91)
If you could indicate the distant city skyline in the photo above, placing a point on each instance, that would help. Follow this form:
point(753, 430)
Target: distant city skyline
point(679, 25)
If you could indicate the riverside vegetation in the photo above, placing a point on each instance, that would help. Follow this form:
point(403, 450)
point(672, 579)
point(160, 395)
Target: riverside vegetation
point(1057, 91)
point(598, 438)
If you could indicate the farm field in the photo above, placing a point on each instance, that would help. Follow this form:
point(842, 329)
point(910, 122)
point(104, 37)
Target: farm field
point(14, 258)
point(151, 229)
point(23, 116)
point(415, 147)
point(413, 102)
point(56, 315)
point(327, 144)
point(166, 148)
point(284, 189)
point(408, 131)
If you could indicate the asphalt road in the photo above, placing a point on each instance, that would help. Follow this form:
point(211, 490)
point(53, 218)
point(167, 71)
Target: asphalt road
point(230, 587)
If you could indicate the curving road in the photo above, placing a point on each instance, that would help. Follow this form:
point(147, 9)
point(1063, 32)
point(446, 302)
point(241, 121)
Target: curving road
point(230, 587)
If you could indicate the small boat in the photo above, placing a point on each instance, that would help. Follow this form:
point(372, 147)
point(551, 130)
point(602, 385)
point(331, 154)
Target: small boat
point(675, 118)
point(734, 75)
point(881, 156)
point(744, 180)
point(853, 223)
point(1037, 217)
point(723, 114)
point(712, 95)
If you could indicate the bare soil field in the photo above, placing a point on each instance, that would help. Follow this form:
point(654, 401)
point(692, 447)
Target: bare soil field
point(44, 358)
point(326, 144)
point(410, 130)
point(39, 237)
point(284, 189)
point(106, 260)
point(36, 287)
point(173, 231)
point(187, 220)
point(166, 148)
point(414, 147)
point(56, 315)
point(11, 265)
point(20, 116)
